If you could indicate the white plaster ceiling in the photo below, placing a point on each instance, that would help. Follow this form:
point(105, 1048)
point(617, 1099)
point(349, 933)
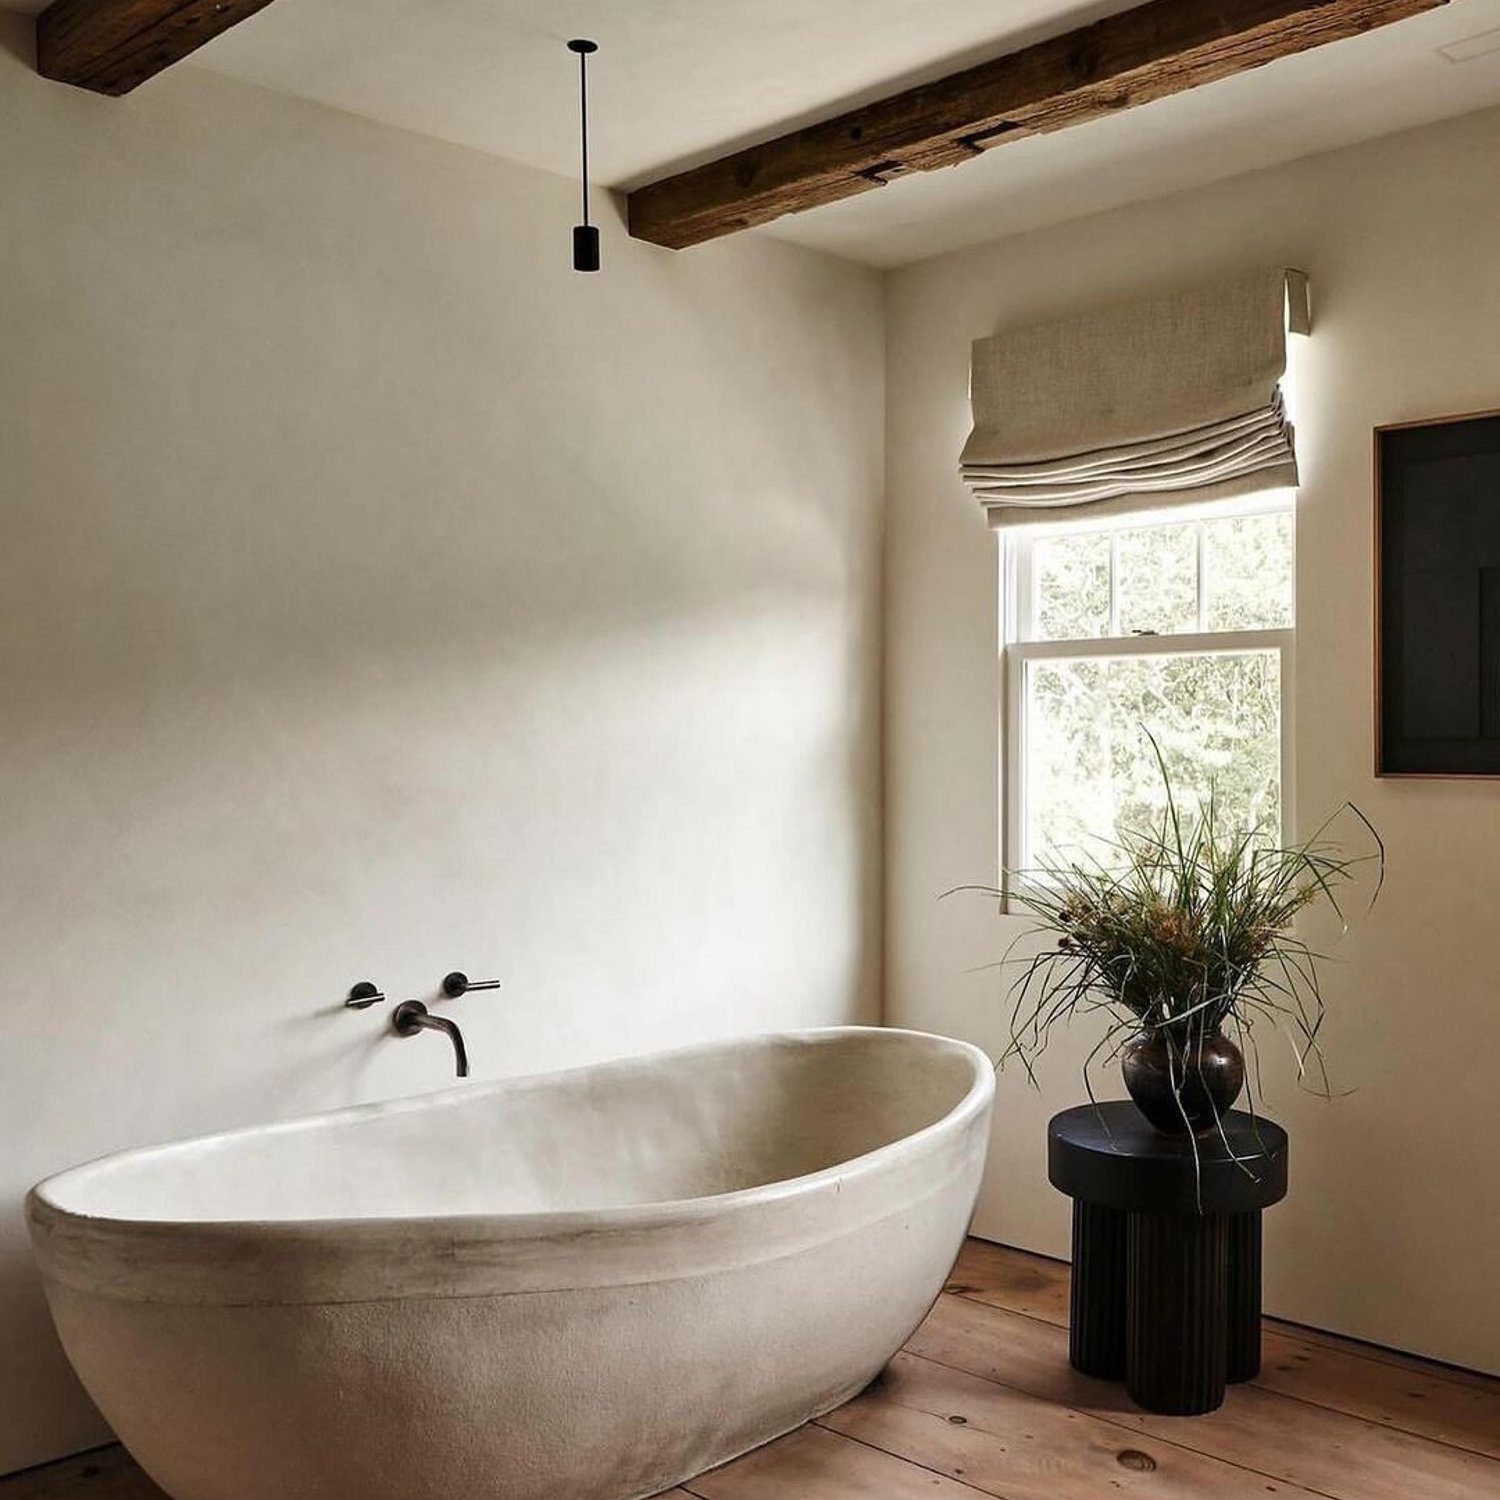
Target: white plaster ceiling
point(680, 81)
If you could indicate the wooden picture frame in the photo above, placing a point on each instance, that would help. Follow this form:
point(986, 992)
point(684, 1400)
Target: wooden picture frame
point(1437, 597)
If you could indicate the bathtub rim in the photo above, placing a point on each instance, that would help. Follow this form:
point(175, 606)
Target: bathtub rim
point(119, 1256)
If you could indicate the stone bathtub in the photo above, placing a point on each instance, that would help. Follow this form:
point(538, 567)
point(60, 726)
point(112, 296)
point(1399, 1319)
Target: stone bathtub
point(581, 1286)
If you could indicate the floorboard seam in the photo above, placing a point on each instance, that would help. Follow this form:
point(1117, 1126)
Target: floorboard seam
point(1378, 1354)
point(1380, 1422)
point(67, 1458)
point(1138, 1432)
point(915, 1463)
point(1344, 1343)
point(1271, 1390)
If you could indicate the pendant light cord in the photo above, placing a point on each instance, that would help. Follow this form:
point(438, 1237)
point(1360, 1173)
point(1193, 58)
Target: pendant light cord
point(583, 109)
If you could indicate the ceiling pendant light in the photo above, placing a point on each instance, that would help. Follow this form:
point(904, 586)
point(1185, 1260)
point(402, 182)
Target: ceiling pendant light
point(585, 235)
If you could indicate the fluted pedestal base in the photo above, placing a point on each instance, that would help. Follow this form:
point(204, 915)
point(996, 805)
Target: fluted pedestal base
point(1167, 1302)
point(1243, 1291)
point(1096, 1325)
point(1176, 1312)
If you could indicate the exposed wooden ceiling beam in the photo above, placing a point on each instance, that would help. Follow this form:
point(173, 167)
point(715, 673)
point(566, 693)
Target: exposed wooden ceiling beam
point(110, 46)
point(1157, 49)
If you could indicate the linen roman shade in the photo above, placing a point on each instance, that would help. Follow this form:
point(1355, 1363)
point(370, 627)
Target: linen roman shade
point(1174, 399)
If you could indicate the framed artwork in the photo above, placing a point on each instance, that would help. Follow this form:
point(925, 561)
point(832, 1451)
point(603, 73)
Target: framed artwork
point(1437, 605)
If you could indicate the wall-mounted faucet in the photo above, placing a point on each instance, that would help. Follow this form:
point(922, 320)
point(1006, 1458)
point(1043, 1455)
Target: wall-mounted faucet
point(411, 1016)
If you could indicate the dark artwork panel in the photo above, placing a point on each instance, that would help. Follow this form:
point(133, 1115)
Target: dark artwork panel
point(1438, 631)
point(1440, 661)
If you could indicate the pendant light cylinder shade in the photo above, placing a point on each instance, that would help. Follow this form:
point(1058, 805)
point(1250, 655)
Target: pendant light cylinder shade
point(585, 247)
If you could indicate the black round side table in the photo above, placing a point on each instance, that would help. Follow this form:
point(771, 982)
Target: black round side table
point(1166, 1252)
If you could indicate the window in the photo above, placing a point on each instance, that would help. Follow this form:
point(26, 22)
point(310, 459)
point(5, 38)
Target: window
point(1178, 625)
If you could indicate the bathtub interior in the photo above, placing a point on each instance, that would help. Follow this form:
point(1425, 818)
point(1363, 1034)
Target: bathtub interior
point(651, 1130)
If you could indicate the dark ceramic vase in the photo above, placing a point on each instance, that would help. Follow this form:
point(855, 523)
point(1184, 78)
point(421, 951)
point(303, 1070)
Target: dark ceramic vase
point(1183, 1085)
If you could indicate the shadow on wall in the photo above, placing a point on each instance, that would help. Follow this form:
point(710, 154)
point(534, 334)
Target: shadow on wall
point(18, 37)
point(660, 833)
point(46, 1382)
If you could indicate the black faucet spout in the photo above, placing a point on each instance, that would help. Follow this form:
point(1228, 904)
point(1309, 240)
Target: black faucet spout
point(412, 1016)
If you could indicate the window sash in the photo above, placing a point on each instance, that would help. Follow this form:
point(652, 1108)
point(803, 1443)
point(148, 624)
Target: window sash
point(1016, 657)
point(1019, 619)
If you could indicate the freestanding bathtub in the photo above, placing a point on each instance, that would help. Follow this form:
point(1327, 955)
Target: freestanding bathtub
point(588, 1285)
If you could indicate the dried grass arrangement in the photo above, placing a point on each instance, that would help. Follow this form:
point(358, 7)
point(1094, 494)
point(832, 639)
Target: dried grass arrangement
point(1184, 935)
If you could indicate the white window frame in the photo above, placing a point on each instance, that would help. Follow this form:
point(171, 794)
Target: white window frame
point(1018, 652)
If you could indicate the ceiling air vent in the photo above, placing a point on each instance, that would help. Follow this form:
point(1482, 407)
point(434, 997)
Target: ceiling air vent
point(1472, 47)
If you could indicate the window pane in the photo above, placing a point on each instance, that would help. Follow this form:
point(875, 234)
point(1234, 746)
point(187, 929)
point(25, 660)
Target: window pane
point(1090, 770)
point(1070, 584)
point(1251, 572)
point(1157, 581)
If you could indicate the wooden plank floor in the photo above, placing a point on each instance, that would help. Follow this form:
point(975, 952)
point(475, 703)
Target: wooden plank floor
point(982, 1403)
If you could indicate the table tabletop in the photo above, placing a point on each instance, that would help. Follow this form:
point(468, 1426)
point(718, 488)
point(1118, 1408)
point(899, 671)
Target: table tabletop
point(1111, 1155)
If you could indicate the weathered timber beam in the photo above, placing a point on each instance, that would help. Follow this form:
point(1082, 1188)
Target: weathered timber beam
point(111, 46)
point(1164, 47)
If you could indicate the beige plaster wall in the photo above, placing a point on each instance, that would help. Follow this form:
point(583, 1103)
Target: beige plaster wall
point(1390, 1232)
point(377, 597)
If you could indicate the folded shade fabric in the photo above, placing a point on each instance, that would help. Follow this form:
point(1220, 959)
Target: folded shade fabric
point(1173, 399)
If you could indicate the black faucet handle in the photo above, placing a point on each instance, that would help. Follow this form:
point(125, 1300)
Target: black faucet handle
point(456, 984)
point(363, 996)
